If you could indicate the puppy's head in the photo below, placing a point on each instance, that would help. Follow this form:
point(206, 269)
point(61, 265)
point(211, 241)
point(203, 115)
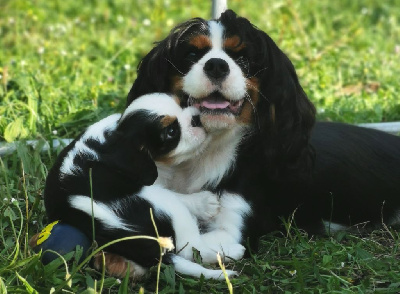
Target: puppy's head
point(235, 75)
point(155, 123)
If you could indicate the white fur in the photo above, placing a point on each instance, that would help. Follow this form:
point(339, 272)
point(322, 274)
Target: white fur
point(203, 205)
point(333, 227)
point(98, 130)
point(157, 103)
point(68, 167)
point(187, 267)
point(187, 234)
point(136, 270)
point(106, 214)
point(225, 231)
point(198, 85)
point(190, 143)
point(216, 34)
point(216, 156)
point(94, 132)
point(205, 170)
point(395, 220)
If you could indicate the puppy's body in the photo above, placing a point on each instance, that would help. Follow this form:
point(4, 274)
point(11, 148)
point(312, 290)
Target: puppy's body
point(261, 129)
point(112, 162)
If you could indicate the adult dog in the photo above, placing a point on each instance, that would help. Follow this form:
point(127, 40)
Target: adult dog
point(112, 162)
point(265, 143)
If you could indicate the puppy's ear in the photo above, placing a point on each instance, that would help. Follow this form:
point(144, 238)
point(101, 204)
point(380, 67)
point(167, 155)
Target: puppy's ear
point(130, 161)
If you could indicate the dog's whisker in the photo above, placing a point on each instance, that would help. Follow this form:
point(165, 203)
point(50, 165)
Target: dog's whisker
point(258, 91)
point(248, 98)
point(249, 77)
point(174, 66)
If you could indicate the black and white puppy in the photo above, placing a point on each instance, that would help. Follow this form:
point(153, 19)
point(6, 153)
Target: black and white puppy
point(113, 161)
point(265, 144)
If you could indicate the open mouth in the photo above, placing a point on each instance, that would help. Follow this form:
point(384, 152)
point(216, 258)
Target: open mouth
point(216, 103)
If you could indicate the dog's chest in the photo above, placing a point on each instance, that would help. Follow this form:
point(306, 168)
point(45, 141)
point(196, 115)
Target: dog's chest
point(203, 171)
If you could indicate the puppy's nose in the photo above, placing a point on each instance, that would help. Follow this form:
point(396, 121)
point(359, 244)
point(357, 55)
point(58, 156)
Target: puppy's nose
point(196, 122)
point(216, 69)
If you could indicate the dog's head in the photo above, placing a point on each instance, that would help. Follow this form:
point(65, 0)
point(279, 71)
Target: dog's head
point(235, 75)
point(155, 123)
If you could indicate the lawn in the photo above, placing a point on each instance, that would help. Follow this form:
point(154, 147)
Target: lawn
point(66, 64)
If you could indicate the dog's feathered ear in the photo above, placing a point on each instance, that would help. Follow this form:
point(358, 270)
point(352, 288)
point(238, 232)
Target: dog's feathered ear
point(152, 72)
point(128, 158)
point(285, 116)
point(288, 115)
point(156, 69)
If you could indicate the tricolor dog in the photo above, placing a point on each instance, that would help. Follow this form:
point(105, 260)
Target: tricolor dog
point(265, 144)
point(109, 172)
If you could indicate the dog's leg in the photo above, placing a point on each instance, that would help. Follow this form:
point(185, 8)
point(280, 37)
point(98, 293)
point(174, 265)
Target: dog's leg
point(187, 233)
point(117, 266)
point(225, 232)
point(204, 205)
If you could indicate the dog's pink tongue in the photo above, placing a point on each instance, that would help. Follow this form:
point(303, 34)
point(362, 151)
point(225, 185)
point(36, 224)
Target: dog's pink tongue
point(213, 104)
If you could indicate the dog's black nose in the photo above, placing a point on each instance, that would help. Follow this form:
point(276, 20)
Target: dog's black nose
point(216, 69)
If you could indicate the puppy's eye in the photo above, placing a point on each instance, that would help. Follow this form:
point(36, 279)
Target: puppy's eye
point(171, 132)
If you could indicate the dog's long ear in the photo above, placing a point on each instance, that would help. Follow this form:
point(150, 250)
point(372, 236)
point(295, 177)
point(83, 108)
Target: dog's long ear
point(155, 71)
point(152, 72)
point(288, 114)
point(128, 157)
point(285, 116)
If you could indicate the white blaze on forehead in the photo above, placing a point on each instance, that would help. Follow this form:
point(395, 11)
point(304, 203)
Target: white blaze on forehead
point(216, 34)
point(198, 85)
point(157, 103)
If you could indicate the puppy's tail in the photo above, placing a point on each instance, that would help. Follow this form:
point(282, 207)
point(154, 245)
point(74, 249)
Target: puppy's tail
point(190, 268)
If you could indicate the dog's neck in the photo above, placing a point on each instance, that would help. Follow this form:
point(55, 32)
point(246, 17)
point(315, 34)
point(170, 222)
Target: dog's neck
point(206, 169)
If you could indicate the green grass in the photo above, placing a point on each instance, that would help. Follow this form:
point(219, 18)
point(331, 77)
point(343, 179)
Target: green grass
point(65, 64)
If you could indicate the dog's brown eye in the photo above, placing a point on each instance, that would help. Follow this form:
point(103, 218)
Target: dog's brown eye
point(171, 132)
point(191, 56)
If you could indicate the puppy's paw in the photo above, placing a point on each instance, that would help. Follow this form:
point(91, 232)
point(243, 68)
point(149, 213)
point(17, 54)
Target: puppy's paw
point(208, 205)
point(117, 266)
point(203, 205)
point(231, 274)
point(219, 274)
point(233, 251)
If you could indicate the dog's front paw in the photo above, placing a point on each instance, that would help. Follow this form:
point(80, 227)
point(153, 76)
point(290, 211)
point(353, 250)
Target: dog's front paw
point(209, 205)
point(233, 251)
point(203, 205)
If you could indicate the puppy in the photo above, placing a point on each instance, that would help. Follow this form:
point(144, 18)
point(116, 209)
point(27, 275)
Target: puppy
point(265, 144)
point(113, 163)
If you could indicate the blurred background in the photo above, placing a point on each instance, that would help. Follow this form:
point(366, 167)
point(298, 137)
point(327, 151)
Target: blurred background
point(65, 64)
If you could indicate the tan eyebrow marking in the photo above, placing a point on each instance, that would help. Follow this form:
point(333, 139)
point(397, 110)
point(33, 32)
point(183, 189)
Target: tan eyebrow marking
point(167, 120)
point(200, 41)
point(234, 44)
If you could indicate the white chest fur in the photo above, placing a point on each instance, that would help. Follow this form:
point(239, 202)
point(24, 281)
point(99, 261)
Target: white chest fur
point(205, 169)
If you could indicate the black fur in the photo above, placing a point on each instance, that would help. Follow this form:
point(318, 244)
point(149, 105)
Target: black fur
point(333, 172)
point(124, 165)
